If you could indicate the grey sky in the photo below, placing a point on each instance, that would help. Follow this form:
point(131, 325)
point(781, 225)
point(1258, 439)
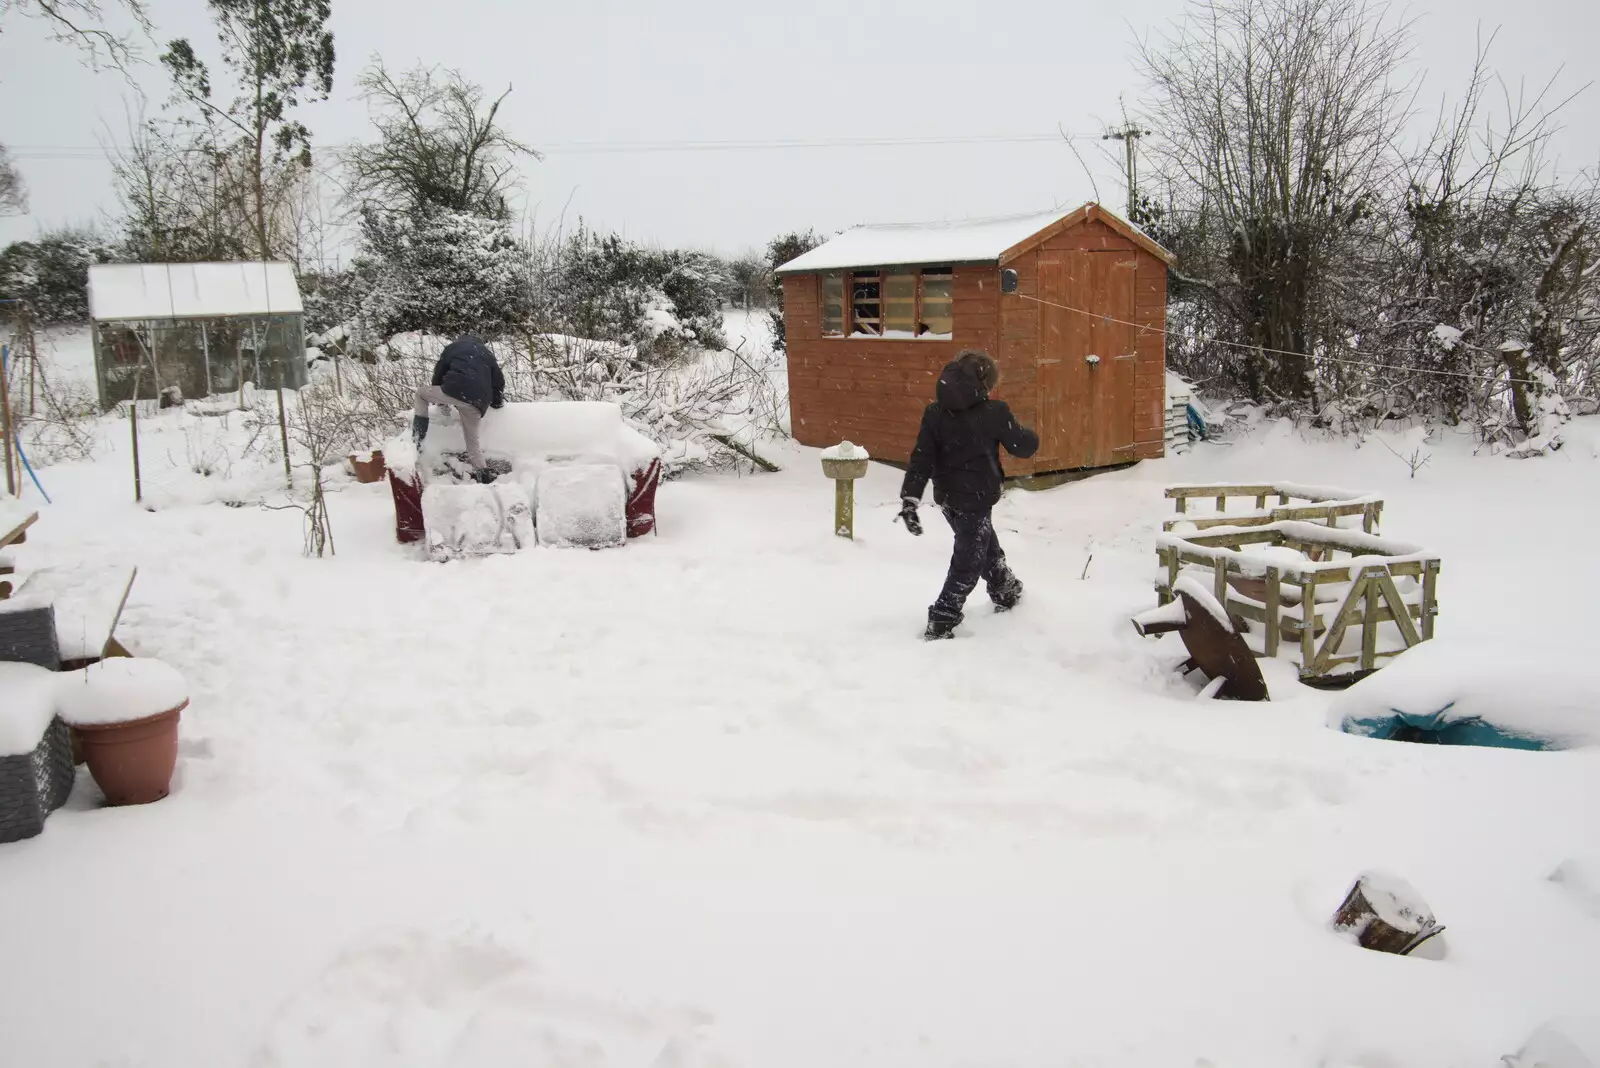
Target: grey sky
point(718, 70)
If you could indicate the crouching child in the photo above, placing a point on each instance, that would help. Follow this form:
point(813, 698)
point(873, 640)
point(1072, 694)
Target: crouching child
point(958, 448)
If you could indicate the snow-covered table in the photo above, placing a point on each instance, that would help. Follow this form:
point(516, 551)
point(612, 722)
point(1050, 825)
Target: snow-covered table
point(14, 523)
point(88, 602)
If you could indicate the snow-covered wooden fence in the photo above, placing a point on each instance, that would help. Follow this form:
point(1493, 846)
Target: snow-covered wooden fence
point(1287, 575)
point(1321, 504)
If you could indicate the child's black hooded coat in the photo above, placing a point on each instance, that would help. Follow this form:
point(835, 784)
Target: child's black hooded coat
point(958, 446)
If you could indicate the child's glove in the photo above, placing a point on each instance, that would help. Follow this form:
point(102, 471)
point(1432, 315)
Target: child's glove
point(908, 513)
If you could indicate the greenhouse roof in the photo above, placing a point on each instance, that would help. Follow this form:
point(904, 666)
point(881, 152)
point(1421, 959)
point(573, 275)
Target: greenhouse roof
point(119, 292)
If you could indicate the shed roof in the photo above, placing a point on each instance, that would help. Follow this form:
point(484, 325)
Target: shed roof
point(136, 291)
point(992, 240)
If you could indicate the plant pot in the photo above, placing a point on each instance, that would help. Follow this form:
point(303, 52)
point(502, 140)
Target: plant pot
point(369, 470)
point(133, 762)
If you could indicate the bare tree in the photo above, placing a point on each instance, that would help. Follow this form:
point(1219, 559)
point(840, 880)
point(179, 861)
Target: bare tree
point(13, 193)
point(440, 144)
point(1281, 121)
point(280, 51)
point(81, 23)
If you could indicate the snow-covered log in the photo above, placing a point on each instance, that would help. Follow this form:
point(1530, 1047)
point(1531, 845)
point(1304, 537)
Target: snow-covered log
point(1385, 913)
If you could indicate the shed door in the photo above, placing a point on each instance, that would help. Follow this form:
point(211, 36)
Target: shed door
point(1085, 406)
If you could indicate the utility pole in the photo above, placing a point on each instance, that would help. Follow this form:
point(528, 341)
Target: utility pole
point(1129, 135)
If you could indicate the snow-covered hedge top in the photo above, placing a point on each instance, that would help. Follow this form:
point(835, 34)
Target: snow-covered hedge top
point(118, 690)
point(845, 450)
point(1539, 692)
point(1367, 550)
point(27, 704)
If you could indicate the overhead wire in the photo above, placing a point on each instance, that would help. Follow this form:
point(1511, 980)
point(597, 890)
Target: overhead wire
point(1380, 365)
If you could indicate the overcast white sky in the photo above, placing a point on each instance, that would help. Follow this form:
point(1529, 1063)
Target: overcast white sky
point(621, 74)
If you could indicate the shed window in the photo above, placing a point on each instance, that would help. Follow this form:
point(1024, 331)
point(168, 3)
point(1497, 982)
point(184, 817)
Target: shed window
point(866, 304)
point(832, 299)
point(894, 304)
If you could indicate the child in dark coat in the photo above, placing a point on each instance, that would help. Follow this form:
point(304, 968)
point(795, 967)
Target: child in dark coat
point(468, 379)
point(958, 447)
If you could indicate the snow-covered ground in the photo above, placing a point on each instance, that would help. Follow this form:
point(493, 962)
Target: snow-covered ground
point(707, 800)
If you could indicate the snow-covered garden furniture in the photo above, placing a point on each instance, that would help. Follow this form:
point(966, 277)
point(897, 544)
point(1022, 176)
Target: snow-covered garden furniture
point(473, 520)
point(36, 766)
point(1288, 576)
point(36, 769)
point(126, 714)
point(1322, 504)
point(581, 506)
point(1215, 645)
point(88, 602)
point(14, 523)
point(522, 440)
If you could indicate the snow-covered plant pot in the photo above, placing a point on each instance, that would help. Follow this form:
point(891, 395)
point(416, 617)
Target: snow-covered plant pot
point(126, 711)
point(36, 769)
point(368, 468)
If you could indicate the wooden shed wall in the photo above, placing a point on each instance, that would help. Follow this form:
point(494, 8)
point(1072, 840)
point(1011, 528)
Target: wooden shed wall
point(872, 391)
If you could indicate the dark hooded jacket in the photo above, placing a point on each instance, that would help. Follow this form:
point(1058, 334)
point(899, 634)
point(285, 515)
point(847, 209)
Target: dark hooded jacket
point(468, 371)
point(959, 444)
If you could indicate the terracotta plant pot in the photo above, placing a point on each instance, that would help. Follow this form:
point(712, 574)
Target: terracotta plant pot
point(133, 762)
point(370, 470)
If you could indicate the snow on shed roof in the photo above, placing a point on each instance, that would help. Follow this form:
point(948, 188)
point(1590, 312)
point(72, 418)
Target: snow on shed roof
point(963, 241)
point(123, 291)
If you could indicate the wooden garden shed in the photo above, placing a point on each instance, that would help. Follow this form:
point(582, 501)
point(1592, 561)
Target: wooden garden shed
point(874, 314)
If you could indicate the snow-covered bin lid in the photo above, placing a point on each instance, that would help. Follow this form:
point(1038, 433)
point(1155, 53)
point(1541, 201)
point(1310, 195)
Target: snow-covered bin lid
point(118, 690)
point(845, 450)
point(27, 704)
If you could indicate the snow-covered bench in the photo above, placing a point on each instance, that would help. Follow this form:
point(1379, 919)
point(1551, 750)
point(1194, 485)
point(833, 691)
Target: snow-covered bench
point(522, 441)
point(88, 602)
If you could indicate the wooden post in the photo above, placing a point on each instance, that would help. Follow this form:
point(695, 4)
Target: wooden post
point(844, 507)
point(283, 431)
point(1183, 505)
point(1272, 610)
point(1369, 624)
point(1173, 564)
point(133, 429)
point(1219, 583)
point(1261, 503)
point(205, 354)
point(5, 421)
point(1283, 500)
point(1222, 503)
point(1430, 593)
point(1308, 622)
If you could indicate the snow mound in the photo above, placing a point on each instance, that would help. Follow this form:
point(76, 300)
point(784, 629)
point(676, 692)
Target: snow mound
point(1542, 695)
point(476, 520)
point(581, 505)
point(1565, 1043)
point(27, 704)
point(845, 450)
point(118, 690)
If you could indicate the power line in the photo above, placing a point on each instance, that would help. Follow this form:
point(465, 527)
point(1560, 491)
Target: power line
point(1382, 366)
point(579, 148)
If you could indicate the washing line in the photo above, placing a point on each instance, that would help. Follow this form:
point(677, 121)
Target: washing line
point(1280, 352)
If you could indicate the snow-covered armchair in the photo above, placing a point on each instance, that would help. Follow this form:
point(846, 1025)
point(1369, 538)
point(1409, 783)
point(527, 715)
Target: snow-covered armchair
point(520, 441)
